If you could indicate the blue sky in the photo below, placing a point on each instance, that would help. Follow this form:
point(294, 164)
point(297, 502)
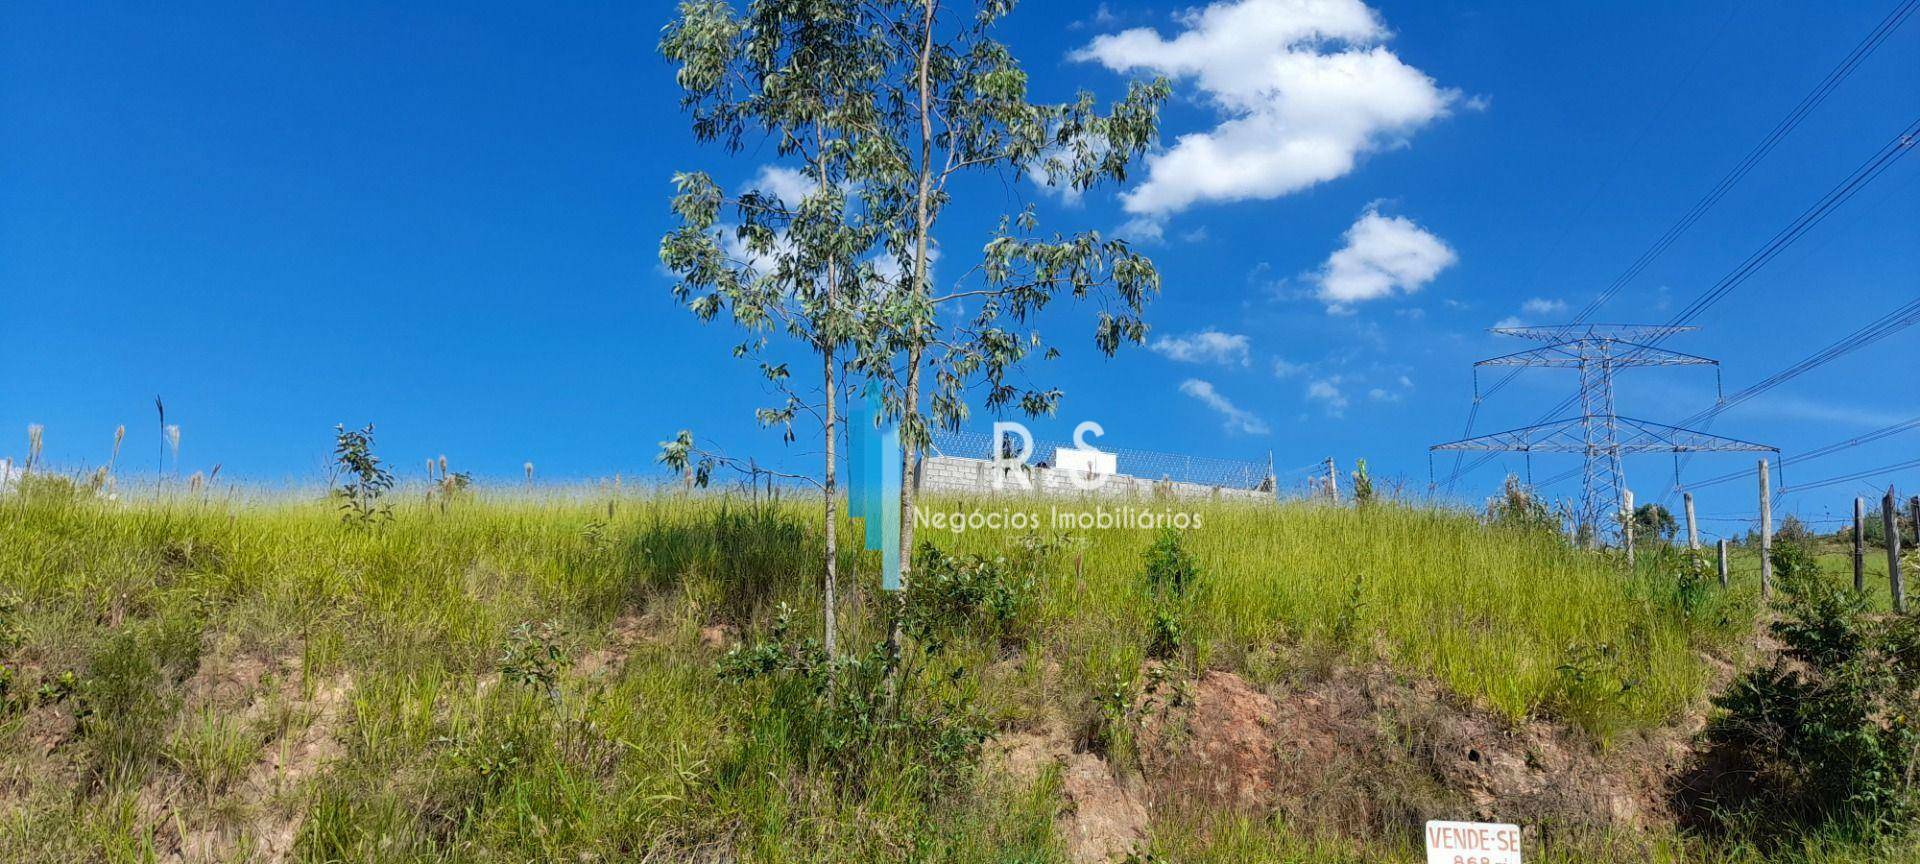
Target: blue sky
point(445, 222)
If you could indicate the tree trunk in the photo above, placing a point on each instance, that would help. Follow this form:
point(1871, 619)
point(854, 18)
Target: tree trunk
point(825, 333)
point(923, 212)
point(832, 491)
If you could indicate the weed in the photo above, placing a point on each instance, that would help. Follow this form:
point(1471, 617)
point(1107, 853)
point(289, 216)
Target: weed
point(531, 657)
point(212, 750)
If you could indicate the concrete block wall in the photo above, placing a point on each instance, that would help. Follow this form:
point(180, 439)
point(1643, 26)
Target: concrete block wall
point(957, 475)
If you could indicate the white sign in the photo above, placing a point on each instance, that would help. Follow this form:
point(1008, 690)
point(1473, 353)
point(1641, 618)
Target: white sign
point(1472, 843)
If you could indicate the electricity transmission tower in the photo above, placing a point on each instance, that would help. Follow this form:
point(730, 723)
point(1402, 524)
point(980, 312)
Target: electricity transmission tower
point(1601, 436)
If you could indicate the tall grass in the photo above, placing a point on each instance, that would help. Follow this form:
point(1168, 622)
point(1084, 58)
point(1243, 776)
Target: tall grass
point(442, 757)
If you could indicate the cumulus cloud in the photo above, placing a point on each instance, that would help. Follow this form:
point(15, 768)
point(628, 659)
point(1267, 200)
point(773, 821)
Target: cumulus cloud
point(1142, 229)
point(1393, 392)
point(1543, 306)
point(1206, 346)
point(1327, 392)
point(787, 184)
point(1283, 368)
point(1382, 254)
point(1532, 311)
point(1305, 89)
point(1235, 419)
point(762, 262)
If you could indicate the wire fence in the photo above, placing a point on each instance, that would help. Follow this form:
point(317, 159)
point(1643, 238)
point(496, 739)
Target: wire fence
point(1201, 470)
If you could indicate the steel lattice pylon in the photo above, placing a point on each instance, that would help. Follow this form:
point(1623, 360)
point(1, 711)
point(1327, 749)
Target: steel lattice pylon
point(1599, 434)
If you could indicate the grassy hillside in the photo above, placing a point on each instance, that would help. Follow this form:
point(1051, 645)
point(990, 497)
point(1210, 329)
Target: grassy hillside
point(541, 678)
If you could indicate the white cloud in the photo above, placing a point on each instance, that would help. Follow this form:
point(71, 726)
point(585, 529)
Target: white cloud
point(1543, 306)
point(1327, 392)
point(1236, 420)
point(1285, 369)
point(1143, 229)
point(1382, 254)
point(1380, 394)
point(1532, 310)
point(761, 262)
point(787, 184)
point(1305, 88)
point(891, 268)
point(1206, 346)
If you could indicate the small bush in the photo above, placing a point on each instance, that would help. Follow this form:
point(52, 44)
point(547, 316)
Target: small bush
point(1171, 579)
point(1519, 507)
point(1595, 681)
point(881, 714)
point(1825, 737)
point(1167, 633)
point(531, 657)
point(952, 594)
point(1171, 569)
point(367, 479)
point(125, 699)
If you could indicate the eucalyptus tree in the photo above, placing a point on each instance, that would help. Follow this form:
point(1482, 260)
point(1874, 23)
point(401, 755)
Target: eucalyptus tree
point(957, 104)
point(892, 105)
point(804, 74)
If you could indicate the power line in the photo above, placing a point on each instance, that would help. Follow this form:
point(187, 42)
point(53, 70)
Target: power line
point(1816, 453)
point(1883, 158)
point(1848, 478)
point(1834, 77)
point(1603, 436)
point(1886, 325)
point(1902, 317)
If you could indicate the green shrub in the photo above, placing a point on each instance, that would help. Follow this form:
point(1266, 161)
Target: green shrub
point(1166, 634)
point(951, 595)
point(125, 698)
point(1171, 579)
point(1171, 569)
point(1825, 737)
point(367, 479)
point(1519, 507)
point(531, 657)
point(879, 715)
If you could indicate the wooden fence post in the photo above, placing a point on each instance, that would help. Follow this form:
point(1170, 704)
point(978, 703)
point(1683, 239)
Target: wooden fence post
point(1859, 544)
point(1333, 481)
point(1626, 522)
point(1693, 527)
point(1890, 519)
point(1723, 561)
point(1766, 533)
